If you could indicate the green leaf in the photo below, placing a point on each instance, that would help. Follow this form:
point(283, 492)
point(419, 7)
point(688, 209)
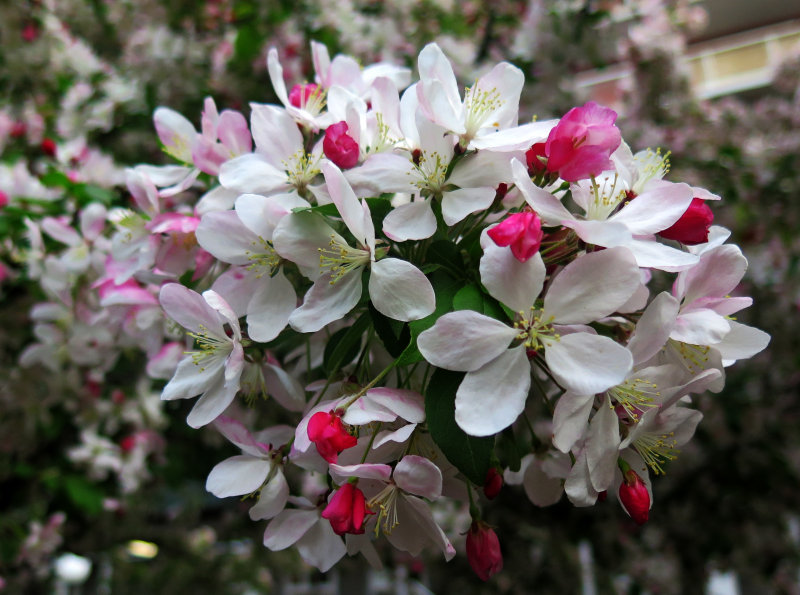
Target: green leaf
point(84, 495)
point(445, 288)
point(87, 193)
point(394, 334)
point(508, 450)
point(344, 345)
point(54, 178)
point(470, 454)
point(468, 298)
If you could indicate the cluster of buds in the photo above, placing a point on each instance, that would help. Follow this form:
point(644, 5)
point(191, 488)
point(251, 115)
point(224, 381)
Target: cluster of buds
point(412, 276)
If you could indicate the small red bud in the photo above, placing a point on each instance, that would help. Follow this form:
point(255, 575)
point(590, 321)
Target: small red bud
point(347, 510)
point(493, 483)
point(693, 226)
point(634, 497)
point(327, 432)
point(3, 200)
point(339, 146)
point(48, 147)
point(483, 550)
point(536, 158)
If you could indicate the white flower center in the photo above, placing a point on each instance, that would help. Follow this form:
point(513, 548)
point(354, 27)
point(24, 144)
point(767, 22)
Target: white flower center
point(606, 196)
point(385, 505)
point(263, 258)
point(432, 170)
point(635, 395)
point(301, 168)
point(534, 332)
point(479, 104)
point(208, 345)
point(656, 449)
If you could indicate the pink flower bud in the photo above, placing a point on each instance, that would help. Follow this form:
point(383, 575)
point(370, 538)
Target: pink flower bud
point(347, 510)
point(339, 146)
point(483, 550)
point(581, 144)
point(521, 231)
point(634, 497)
point(493, 483)
point(300, 94)
point(48, 147)
point(692, 228)
point(3, 200)
point(327, 432)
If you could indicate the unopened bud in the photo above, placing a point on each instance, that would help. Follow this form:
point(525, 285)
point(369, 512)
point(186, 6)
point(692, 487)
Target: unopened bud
point(339, 146)
point(634, 496)
point(483, 550)
point(48, 147)
point(493, 483)
point(693, 226)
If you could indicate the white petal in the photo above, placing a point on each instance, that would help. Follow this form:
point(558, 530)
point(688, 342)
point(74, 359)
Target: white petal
point(289, 526)
point(261, 213)
point(191, 379)
point(275, 133)
point(400, 290)
point(224, 235)
point(700, 327)
point(212, 404)
point(325, 302)
point(270, 307)
point(717, 274)
point(236, 476)
point(356, 217)
point(587, 364)
point(383, 172)
point(570, 419)
point(742, 342)
point(656, 209)
point(284, 388)
point(516, 284)
point(321, 547)
point(540, 488)
point(601, 233)
point(592, 286)
point(651, 254)
point(490, 399)
point(602, 446)
point(252, 172)
point(547, 206)
point(379, 472)
point(408, 404)
point(459, 203)
point(464, 340)
point(578, 485)
point(653, 328)
point(518, 138)
point(299, 236)
point(190, 310)
point(272, 499)
point(411, 221)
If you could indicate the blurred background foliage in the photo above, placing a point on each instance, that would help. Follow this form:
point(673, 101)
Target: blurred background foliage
point(95, 70)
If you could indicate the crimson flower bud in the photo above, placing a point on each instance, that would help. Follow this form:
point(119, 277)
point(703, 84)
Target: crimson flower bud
point(300, 94)
point(18, 129)
point(327, 432)
point(692, 228)
point(3, 200)
point(339, 146)
point(48, 147)
point(634, 497)
point(347, 510)
point(483, 550)
point(493, 483)
point(535, 157)
point(521, 231)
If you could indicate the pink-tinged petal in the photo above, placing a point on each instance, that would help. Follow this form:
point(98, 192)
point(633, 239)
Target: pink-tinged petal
point(698, 384)
point(190, 310)
point(742, 342)
point(321, 547)
point(326, 302)
point(216, 199)
point(717, 274)
point(218, 303)
point(176, 133)
point(284, 388)
point(399, 436)
point(540, 488)
point(459, 203)
point(464, 341)
point(364, 411)
point(411, 221)
point(288, 527)
point(491, 398)
point(252, 172)
point(234, 365)
point(272, 499)
point(653, 328)
point(434, 66)
point(400, 290)
point(224, 235)
point(93, 221)
point(419, 476)
point(270, 307)
point(418, 529)
point(408, 404)
point(237, 285)
point(234, 133)
point(602, 446)
point(236, 476)
point(212, 404)
point(592, 286)
point(275, 133)
point(547, 206)
point(700, 327)
point(723, 305)
point(587, 364)
point(191, 379)
point(165, 362)
point(516, 284)
point(61, 231)
point(438, 107)
point(276, 76)
point(570, 419)
point(239, 435)
point(341, 473)
point(356, 217)
point(655, 210)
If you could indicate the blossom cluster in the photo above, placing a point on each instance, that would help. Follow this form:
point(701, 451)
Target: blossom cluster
point(418, 281)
